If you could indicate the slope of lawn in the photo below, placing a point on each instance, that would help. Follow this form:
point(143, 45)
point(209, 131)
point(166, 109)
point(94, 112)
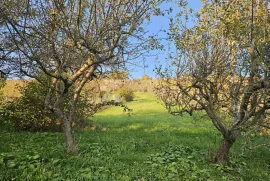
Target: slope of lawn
point(146, 144)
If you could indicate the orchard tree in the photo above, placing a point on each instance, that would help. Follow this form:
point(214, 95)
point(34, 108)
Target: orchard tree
point(72, 41)
point(221, 67)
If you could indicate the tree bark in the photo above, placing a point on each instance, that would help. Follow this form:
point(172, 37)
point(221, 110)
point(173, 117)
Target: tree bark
point(71, 147)
point(222, 155)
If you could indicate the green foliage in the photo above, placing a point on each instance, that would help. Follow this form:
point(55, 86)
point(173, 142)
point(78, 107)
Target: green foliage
point(218, 65)
point(2, 84)
point(3, 122)
point(29, 112)
point(148, 145)
point(178, 162)
point(29, 166)
point(126, 94)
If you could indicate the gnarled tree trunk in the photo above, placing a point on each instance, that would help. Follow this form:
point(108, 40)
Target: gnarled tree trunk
point(71, 147)
point(222, 155)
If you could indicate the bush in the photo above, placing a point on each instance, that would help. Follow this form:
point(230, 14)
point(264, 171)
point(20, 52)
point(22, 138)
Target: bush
point(145, 77)
point(126, 94)
point(3, 122)
point(29, 113)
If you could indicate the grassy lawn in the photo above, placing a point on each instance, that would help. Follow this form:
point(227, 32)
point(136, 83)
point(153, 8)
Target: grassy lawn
point(148, 144)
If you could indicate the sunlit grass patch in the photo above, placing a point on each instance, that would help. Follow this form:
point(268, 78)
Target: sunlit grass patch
point(149, 144)
point(134, 126)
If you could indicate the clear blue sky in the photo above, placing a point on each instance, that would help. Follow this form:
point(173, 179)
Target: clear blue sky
point(157, 24)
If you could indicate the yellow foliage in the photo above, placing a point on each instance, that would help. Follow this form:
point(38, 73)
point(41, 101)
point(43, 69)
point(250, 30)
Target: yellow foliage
point(11, 88)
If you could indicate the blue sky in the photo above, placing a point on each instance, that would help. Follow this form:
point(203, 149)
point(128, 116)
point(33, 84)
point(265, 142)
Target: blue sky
point(159, 23)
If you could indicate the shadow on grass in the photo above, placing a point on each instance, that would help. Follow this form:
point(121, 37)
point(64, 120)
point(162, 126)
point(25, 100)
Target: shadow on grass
point(125, 151)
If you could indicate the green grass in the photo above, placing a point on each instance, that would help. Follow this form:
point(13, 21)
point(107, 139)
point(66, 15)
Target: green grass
point(148, 144)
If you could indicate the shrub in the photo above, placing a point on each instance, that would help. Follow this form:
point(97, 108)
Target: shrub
point(126, 94)
point(29, 113)
point(145, 77)
point(2, 84)
point(2, 103)
point(105, 96)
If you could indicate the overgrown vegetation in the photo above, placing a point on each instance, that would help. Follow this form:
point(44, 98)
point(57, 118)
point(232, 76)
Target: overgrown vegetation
point(148, 145)
point(126, 93)
point(29, 112)
point(2, 102)
point(72, 42)
point(221, 67)
point(217, 79)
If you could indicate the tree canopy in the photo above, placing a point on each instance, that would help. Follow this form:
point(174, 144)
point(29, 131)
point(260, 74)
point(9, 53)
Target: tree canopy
point(222, 67)
point(71, 41)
